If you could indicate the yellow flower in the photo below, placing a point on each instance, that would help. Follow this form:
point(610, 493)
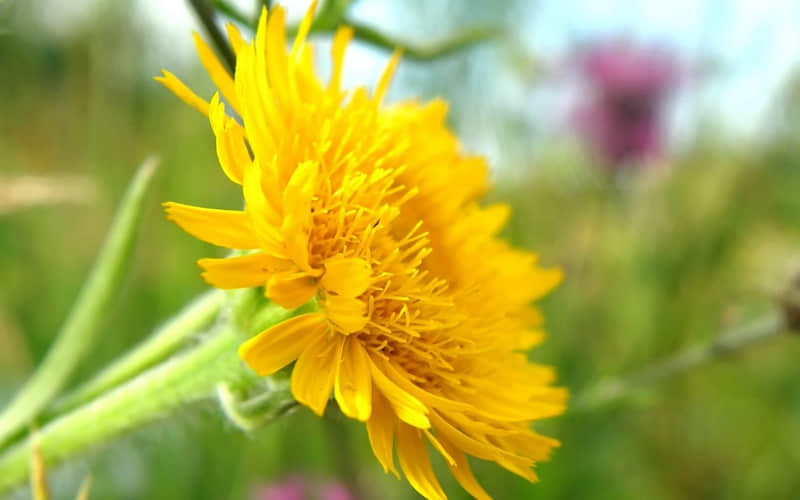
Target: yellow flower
point(371, 210)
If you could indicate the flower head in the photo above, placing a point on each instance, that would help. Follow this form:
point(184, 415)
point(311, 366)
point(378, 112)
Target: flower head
point(622, 117)
point(303, 488)
point(291, 489)
point(423, 314)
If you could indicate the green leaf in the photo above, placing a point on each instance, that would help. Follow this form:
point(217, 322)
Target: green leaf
point(78, 331)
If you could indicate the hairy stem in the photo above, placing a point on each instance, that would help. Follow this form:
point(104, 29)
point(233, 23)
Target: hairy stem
point(162, 343)
point(185, 379)
point(77, 333)
point(611, 390)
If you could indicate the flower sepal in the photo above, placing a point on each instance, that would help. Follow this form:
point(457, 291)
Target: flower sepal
point(252, 409)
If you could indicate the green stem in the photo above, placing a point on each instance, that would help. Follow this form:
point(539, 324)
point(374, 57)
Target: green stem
point(608, 391)
point(333, 14)
point(186, 379)
point(232, 12)
point(330, 15)
point(77, 333)
point(208, 17)
point(163, 342)
point(183, 380)
point(459, 42)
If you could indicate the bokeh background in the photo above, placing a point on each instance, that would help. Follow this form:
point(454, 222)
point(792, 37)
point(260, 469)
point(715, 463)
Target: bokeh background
point(650, 149)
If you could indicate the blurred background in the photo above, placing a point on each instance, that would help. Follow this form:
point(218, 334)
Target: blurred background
point(650, 149)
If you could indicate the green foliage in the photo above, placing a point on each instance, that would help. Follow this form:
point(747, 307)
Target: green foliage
point(654, 262)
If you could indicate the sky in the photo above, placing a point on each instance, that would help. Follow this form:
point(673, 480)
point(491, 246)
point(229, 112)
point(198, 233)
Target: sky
point(753, 44)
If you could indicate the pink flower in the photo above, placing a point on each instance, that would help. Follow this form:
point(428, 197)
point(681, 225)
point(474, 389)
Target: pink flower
point(291, 489)
point(335, 491)
point(622, 114)
point(300, 488)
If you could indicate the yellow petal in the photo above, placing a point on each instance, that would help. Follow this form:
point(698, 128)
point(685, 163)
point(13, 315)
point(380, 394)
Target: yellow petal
point(529, 338)
point(465, 442)
point(380, 429)
point(438, 447)
point(348, 314)
point(518, 466)
point(260, 41)
point(242, 272)
point(276, 347)
point(231, 149)
point(237, 42)
point(353, 388)
point(182, 91)
point(302, 30)
point(297, 220)
point(343, 36)
point(462, 471)
point(529, 444)
point(403, 380)
point(349, 277)
point(461, 440)
point(407, 408)
point(416, 463)
point(546, 280)
point(219, 75)
point(504, 403)
point(226, 228)
point(275, 55)
point(261, 211)
point(253, 116)
point(296, 229)
point(261, 115)
point(308, 85)
point(312, 376)
point(493, 218)
point(291, 290)
point(386, 77)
